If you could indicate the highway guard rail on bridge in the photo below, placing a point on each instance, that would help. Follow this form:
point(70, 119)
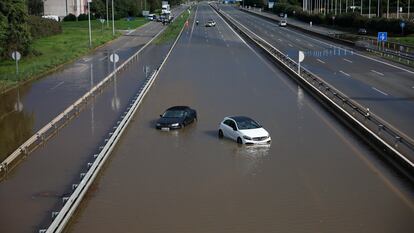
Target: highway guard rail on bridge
point(381, 135)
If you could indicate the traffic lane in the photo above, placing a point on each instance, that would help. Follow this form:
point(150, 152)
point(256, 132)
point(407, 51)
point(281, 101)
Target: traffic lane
point(364, 64)
point(372, 92)
point(46, 176)
point(64, 87)
point(26, 109)
point(190, 181)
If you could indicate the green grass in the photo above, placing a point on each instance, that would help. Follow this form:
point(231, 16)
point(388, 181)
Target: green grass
point(55, 50)
point(407, 40)
point(173, 29)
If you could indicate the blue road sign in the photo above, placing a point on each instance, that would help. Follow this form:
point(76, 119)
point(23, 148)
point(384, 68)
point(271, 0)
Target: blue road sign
point(382, 36)
point(402, 24)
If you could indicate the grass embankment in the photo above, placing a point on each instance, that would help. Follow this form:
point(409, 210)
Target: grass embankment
point(173, 29)
point(406, 40)
point(55, 50)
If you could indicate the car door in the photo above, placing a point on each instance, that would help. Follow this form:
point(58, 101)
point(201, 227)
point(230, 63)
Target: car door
point(234, 134)
point(227, 128)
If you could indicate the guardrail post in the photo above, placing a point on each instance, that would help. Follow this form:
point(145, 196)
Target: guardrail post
point(74, 186)
point(367, 113)
point(42, 231)
point(64, 199)
point(397, 140)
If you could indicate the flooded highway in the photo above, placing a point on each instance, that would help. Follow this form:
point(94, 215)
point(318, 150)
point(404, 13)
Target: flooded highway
point(316, 176)
point(24, 110)
point(36, 187)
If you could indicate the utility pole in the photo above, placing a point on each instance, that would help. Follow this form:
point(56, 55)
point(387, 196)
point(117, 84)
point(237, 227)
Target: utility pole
point(388, 8)
point(107, 14)
point(378, 8)
point(398, 9)
point(113, 19)
point(361, 7)
point(369, 9)
point(89, 23)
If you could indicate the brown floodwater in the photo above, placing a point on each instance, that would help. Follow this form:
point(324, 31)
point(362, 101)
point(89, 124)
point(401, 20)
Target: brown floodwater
point(316, 176)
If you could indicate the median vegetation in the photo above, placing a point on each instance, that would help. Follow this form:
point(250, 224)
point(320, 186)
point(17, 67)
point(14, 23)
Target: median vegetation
point(47, 53)
point(173, 29)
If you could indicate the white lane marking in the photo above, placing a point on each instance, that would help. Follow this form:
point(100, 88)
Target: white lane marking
point(290, 45)
point(320, 61)
point(297, 39)
point(130, 31)
point(369, 58)
point(346, 74)
point(379, 73)
point(57, 85)
point(379, 91)
point(103, 58)
point(311, 45)
point(192, 28)
point(348, 60)
point(279, 39)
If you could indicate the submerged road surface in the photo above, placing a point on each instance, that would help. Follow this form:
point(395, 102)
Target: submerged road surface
point(385, 88)
point(314, 177)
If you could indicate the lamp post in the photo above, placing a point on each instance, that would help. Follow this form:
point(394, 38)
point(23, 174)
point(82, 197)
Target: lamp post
point(113, 19)
point(107, 14)
point(89, 23)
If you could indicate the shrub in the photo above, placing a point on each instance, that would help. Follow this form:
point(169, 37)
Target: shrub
point(70, 17)
point(83, 17)
point(40, 27)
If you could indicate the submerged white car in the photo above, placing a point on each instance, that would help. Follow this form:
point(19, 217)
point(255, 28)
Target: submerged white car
point(243, 130)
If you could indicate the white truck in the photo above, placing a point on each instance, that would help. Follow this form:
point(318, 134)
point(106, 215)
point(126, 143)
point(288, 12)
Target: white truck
point(165, 8)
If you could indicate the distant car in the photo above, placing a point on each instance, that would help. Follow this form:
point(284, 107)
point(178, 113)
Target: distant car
point(210, 23)
point(283, 23)
point(243, 130)
point(151, 17)
point(281, 15)
point(362, 31)
point(176, 117)
point(54, 17)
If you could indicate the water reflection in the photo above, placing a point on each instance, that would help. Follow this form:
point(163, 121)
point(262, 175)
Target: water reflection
point(250, 157)
point(93, 106)
point(16, 126)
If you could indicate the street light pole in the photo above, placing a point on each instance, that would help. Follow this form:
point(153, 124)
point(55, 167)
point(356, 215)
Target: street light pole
point(369, 9)
point(107, 14)
point(378, 8)
point(398, 9)
point(388, 8)
point(113, 19)
point(89, 22)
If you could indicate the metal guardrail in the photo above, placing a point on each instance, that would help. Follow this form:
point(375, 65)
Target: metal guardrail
point(62, 217)
point(63, 118)
point(388, 138)
point(345, 40)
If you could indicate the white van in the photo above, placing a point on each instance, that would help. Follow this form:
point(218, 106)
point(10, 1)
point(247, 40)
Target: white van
point(54, 17)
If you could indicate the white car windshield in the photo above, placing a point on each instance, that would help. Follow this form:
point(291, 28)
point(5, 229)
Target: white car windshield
point(173, 114)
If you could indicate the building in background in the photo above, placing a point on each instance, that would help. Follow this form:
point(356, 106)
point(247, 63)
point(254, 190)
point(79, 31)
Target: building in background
point(62, 8)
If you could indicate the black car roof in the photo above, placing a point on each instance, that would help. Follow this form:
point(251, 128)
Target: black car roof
point(241, 118)
point(179, 108)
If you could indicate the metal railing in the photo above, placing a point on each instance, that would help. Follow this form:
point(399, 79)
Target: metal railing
point(403, 53)
point(63, 118)
point(62, 217)
point(387, 137)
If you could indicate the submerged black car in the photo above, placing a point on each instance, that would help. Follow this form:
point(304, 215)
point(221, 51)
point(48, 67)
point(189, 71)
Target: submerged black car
point(176, 117)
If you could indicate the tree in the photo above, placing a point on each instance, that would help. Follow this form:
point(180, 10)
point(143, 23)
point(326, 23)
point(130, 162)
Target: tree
point(35, 7)
point(15, 35)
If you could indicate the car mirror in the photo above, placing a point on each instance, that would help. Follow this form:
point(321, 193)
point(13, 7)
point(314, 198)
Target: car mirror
point(235, 129)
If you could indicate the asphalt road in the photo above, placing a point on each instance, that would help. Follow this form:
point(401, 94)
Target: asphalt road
point(36, 187)
point(44, 99)
point(314, 177)
point(383, 87)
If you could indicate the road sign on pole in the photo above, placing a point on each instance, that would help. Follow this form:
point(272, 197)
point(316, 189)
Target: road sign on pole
point(301, 58)
point(382, 36)
point(16, 56)
point(402, 25)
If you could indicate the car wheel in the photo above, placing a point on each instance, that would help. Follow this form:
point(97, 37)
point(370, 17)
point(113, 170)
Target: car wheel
point(239, 141)
point(220, 133)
